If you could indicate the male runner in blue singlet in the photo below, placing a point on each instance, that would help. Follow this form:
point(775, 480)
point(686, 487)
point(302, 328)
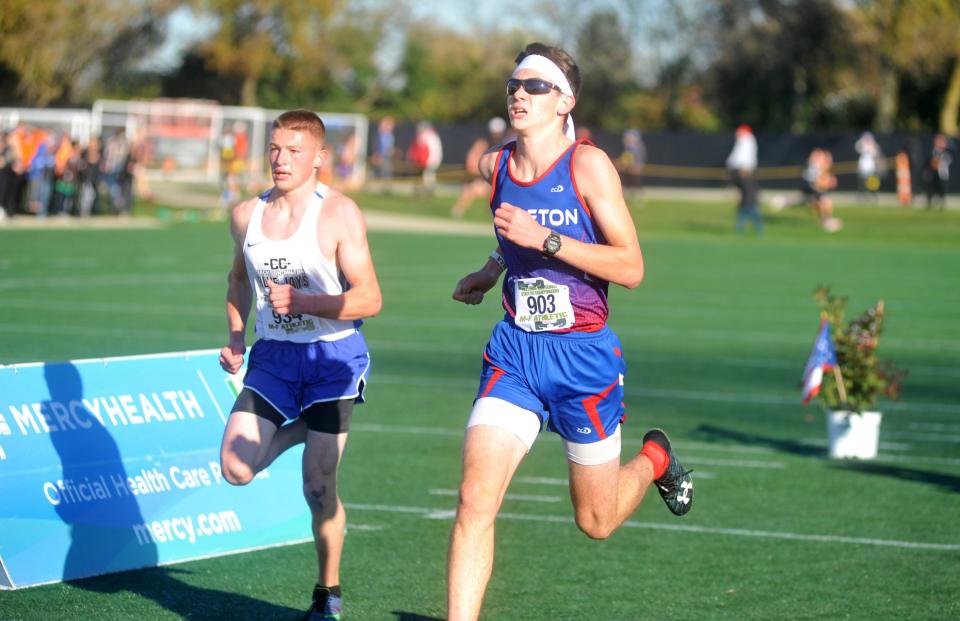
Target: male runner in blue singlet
point(300, 251)
point(564, 234)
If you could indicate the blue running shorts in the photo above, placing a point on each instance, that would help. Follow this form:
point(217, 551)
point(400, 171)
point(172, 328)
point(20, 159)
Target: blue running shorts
point(294, 376)
point(572, 381)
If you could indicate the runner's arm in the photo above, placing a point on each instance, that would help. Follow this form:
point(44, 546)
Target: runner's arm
point(487, 163)
point(239, 293)
point(472, 287)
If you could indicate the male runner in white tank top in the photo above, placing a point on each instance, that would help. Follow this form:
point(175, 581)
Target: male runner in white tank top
point(300, 252)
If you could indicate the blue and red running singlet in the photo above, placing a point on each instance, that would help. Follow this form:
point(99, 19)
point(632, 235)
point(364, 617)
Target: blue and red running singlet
point(555, 202)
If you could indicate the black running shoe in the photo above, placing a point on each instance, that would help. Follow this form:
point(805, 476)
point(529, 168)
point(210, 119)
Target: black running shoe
point(325, 606)
point(675, 485)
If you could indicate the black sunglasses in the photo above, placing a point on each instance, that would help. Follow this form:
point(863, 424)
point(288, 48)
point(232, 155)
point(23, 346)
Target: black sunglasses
point(533, 86)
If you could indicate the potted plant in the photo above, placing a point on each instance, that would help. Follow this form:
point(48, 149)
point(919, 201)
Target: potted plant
point(858, 378)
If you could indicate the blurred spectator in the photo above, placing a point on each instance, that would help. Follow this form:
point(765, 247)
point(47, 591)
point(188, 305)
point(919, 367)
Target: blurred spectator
point(385, 149)
point(870, 165)
point(743, 156)
point(742, 164)
point(820, 180)
point(904, 181)
point(3, 172)
point(91, 159)
point(476, 187)
point(937, 172)
point(324, 174)
point(633, 158)
point(346, 156)
point(426, 154)
point(10, 169)
point(140, 156)
point(234, 150)
point(115, 162)
point(817, 181)
point(19, 142)
point(66, 184)
point(583, 133)
point(40, 171)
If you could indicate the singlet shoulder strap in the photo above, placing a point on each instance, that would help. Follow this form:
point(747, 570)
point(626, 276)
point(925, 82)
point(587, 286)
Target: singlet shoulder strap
point(255, 225)
point(503, 160)
point(307, 230)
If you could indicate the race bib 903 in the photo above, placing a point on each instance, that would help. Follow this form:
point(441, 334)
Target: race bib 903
point(542, 305)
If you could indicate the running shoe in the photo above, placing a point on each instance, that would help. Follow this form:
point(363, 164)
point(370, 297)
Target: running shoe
point(325, 606)
point(675, 485)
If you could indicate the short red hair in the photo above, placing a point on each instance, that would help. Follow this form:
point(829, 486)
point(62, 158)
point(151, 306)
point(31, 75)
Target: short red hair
point(302, 121)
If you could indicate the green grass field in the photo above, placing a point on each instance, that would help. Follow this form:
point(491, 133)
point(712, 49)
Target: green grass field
point(715, 340)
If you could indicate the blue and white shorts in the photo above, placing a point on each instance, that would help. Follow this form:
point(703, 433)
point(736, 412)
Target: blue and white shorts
point(291, 377)
point(573, 381)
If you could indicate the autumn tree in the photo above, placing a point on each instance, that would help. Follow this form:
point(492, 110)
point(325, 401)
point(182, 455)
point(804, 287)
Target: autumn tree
point(257, 37)
point(58, 49)
point(450, 76)
point(604, 55)
point(908, 37)
point(773, 64)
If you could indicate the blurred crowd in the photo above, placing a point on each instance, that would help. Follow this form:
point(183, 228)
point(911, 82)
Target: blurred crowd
point(423, 155)
point(46, 173)
point(43, 172)
point(913, 172)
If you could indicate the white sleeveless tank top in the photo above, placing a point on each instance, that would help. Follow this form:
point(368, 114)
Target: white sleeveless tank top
point(295, 261)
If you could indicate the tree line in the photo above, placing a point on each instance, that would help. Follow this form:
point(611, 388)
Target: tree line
point(779, 65)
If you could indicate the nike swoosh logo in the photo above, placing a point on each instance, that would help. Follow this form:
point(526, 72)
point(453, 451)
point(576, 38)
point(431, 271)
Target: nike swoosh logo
point(253, 243)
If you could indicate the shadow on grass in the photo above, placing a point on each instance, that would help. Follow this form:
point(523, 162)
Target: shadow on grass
point(412, 616)
point(161, 585)
point(712, 433)
point(949, 482)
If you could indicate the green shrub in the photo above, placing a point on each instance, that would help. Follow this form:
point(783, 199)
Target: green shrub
point(865, 377)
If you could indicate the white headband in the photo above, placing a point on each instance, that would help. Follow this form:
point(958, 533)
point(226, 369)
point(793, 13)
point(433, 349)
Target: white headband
point(545, 66)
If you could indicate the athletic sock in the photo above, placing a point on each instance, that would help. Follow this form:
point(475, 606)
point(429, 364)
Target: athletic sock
point(658, 456)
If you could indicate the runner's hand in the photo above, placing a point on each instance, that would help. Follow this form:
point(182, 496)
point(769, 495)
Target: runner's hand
point(518, 226)
point(471, 287)
point(283, 298)
point(231, 357)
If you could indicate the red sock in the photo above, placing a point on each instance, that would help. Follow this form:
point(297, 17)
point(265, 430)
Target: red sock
point(657, 456)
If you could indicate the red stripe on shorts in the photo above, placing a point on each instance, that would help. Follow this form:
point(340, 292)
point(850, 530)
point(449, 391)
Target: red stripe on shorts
point(590, 405)
point(497, 374)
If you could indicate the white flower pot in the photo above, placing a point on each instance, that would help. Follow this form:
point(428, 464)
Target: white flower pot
point(853, 435)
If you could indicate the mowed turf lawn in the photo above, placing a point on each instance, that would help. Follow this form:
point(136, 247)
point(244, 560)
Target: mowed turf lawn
point(715, 339)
